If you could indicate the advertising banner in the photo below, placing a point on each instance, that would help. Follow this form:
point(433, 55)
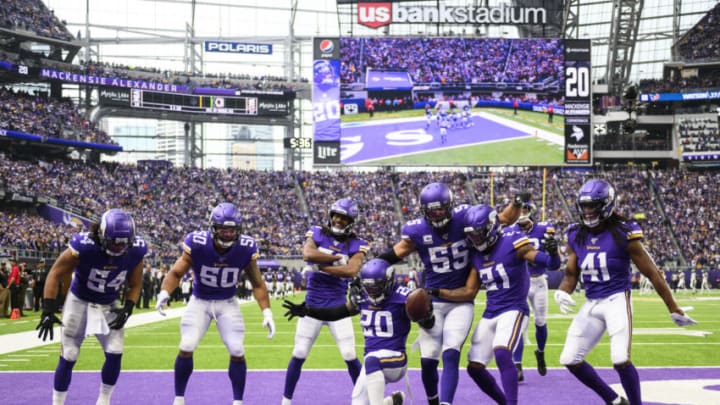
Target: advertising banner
point(61, 216)
point(326, 100)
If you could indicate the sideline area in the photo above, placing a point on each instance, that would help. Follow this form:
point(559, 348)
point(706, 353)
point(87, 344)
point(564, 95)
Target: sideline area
point(14, 342)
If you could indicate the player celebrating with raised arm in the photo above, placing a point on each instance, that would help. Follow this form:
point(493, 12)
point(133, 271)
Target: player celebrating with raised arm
point(216, 257)
point(600, 249)
point(335, 254)
point(538, 293)
point(500, 259)
point(101, 261)
point(439, 239)
point(385, 323)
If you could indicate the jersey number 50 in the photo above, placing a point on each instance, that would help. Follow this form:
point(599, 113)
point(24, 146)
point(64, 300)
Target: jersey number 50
point(219, 277)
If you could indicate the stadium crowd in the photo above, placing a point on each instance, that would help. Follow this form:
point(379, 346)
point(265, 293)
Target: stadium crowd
point(702, 42)
point(279, 207)
point(699, 134)
point(34, 16)
point(40, 115)
point(454, 60)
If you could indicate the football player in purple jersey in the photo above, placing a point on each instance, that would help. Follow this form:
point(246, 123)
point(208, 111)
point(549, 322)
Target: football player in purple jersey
point(500, 259)
point(333, 255)
point(439, 240)
point(600, 250)
point(216, 257)
point(101, 260)
point(381, 305)
point(538, 293)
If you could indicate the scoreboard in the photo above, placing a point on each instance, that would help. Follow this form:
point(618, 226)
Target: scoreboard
point(193, 103)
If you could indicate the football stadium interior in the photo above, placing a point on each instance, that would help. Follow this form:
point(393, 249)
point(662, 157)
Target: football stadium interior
point(165, 109)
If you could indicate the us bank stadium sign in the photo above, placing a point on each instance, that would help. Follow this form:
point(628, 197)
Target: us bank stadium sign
point(378, 14)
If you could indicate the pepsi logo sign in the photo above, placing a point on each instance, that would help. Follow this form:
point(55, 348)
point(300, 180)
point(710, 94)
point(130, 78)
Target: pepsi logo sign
point(326, 46)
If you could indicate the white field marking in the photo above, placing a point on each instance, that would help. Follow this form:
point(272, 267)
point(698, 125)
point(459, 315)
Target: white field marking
point(15, 342)
point(334, 347)
point(528, 129)
point(327, 370)
point(678, 392)
point(15, 360)
point(671, 331)
point(174, 346)
point(27, 355)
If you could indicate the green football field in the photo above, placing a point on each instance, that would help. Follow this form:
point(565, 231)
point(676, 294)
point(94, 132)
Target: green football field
point(656, 342)
point(521, 152)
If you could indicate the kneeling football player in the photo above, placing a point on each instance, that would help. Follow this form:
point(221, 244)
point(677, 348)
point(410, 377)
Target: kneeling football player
point(386, 325)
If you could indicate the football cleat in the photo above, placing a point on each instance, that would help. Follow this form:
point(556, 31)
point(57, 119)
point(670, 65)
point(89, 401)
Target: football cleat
point(398, 398)
point(521, 376)
point(623, 401)
point(541, 366)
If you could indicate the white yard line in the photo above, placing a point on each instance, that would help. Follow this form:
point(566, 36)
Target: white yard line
point(15, 342)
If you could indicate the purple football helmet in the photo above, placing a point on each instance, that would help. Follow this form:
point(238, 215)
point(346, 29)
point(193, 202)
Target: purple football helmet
point(347, 208)
point(378, 280)
point(225, 224)
point(116, 232)
point(436, 204)
point(595, 202)
point(481, 227)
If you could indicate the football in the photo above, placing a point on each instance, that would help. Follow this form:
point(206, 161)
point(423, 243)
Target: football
point(418, 305)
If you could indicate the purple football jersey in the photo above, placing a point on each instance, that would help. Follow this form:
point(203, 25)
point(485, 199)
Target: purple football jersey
point(325, 290)
point(216, 274)
point(446, 256)
point(504, 274)
point(99, 276)
point(535, 236)
point(604, 264)
point(386, 326)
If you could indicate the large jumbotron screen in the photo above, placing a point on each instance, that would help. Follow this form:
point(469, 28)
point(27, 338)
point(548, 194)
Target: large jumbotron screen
point(451, 101)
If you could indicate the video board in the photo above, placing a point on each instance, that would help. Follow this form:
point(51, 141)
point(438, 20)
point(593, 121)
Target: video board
point(451, 101)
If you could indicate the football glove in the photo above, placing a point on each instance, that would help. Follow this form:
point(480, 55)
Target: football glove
point(294, 309)
point(121, 315)
point(355, 293)
point(428, 322)
point(683, 320)
point(48, 320)
point(162, 298)
point(550, 244)
point(565, 301)
point(520, 198)
point(433, 292)
point(268, 322)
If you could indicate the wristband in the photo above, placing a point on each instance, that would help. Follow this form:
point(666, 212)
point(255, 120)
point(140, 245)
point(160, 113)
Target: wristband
point(50, 305)
point(267, 313)
point(433, 292)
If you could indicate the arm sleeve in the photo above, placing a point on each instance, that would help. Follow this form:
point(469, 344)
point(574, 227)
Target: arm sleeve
point(332, 313)
point(551, 262)
point(390, 256)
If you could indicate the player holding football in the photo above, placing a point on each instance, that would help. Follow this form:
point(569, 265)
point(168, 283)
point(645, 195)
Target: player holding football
point(499, 262)
point(600, 249)
point(333, 255)
point(538, 293)
point(101, 261)
point(439, 240)
point(385, 324)
point(216, 256)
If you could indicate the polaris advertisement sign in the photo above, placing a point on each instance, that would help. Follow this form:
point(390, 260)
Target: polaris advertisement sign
point(238, 47)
